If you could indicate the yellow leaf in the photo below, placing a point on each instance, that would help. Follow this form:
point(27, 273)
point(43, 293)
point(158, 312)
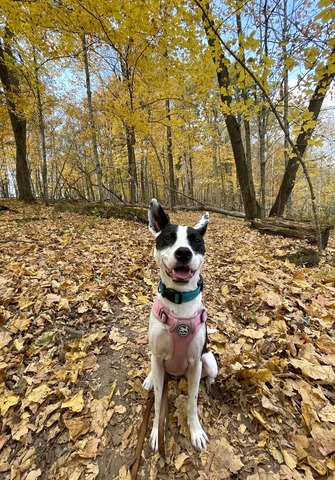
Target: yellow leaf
point(224, 290)
point(75, 403)
point(34, 474)
point(7, 401)
point(64, 304)
point(289, 459)
point(262, 375)
point(317, 372)
point(19, 324)
point(105, 307)
point(142, 298)
point(299, 280)
point(37, 395)
point(217, 337)
point(125, 299)
point(19, 344)
point(100, 415)
point(5, 339)
point(251, 333)
point(180, 460)
point(301, 443)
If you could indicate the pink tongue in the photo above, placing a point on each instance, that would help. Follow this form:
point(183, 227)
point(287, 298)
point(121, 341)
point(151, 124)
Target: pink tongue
point(181, 273)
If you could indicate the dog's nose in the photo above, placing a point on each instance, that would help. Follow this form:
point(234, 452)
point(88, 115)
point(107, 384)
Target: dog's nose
point(183, 254)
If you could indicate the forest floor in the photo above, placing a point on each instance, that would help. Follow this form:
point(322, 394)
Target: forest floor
point(75, 295)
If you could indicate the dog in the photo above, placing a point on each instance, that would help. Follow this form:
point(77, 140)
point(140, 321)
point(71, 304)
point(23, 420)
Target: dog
point(177, 328)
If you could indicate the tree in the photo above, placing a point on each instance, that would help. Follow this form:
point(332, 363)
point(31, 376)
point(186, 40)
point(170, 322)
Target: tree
point(91, 119)
point(243, 168)
point(327, 75)
point(323, 81)
point(10, 79)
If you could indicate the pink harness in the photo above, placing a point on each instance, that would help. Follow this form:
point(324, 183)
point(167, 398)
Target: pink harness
point(182, 332)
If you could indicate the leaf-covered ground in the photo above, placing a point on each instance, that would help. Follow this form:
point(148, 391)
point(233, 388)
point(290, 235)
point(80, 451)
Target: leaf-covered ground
point(75, 294)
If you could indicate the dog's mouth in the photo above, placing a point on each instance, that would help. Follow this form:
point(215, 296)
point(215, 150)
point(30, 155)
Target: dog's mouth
point(180, 274)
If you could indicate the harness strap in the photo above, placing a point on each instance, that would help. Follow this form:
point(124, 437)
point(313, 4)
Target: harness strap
point(182, 332)
point(166, 316)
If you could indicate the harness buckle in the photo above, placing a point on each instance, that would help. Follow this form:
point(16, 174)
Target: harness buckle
point(163, 316)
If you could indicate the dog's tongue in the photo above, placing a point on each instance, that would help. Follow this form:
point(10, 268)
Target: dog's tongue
point(181, 274)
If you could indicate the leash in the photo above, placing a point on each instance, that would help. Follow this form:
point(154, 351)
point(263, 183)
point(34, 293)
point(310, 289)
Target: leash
point(135, 462)
point(162, 424)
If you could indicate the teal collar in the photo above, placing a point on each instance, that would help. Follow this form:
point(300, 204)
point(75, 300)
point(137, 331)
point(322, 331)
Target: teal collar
point(179, 297)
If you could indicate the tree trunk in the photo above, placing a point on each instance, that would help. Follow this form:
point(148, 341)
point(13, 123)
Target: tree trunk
point(286, 94)
point(91, 120)
point(246, 123)
point(251, 206)
point(128, 80)
point(130, 133)
point(243, 170)
point(304, 136)
point(41, 126)
point(172, 183)
point(262, 122)
point(11, 85)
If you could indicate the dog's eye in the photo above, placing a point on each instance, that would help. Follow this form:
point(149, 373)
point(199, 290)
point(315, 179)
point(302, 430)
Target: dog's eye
point(168, 238)
point(197, 240)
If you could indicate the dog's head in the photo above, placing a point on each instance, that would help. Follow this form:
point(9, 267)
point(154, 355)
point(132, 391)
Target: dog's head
point(179, 250)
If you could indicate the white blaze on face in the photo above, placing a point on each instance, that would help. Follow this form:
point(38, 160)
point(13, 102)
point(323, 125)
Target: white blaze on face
point(176, 270)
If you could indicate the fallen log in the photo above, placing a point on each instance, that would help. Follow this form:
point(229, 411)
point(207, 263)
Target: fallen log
point(208, 208)
point(292, 228)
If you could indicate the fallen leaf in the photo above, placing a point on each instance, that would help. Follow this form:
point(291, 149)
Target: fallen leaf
point(8, 400)
point(77, 426)
point(88, 448)
point(75, 403)
point(5, 339)
point(180, 459)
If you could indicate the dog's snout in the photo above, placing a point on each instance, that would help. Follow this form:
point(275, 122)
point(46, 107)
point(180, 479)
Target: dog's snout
point(183, 254)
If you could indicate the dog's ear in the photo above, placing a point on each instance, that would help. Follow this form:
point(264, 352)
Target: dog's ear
point(158, 219)
point(201, 226)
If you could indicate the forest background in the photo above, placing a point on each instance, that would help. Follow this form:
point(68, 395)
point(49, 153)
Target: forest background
point(227, 104)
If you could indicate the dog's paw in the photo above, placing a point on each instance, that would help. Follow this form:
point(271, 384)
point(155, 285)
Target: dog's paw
point(199, 438)
point(154, 439)
point(148, 384)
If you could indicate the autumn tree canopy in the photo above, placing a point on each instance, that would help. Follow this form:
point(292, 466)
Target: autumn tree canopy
point(187, 101)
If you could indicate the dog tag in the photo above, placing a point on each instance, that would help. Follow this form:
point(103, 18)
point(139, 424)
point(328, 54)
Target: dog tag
point(183, 330)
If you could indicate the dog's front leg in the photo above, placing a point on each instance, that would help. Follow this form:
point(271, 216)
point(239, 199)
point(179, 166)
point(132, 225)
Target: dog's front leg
point(158, 373)
point(199, 438)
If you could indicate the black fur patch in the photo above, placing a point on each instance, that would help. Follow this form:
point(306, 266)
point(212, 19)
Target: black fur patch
point(167, 237)
point(195, 240)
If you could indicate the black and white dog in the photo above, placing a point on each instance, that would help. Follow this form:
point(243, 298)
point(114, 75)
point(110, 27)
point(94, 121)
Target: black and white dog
point(177, 329)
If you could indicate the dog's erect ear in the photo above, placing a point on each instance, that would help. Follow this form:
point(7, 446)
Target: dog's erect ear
point(201, 226)
point(158, 219)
